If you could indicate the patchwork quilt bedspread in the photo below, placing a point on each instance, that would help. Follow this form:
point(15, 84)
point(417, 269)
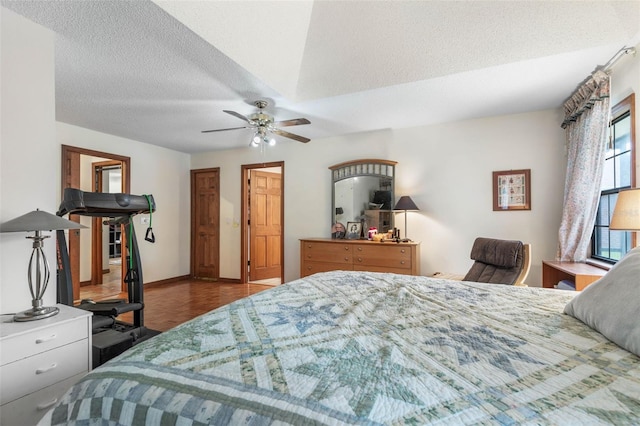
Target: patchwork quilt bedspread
point(369, 348)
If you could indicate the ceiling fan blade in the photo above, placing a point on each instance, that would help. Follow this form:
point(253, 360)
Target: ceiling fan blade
point(293, 122)
point(291, 136)
point(237, 114)
point(222, 130)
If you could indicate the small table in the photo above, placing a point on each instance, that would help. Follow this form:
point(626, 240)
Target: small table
point(582, 274)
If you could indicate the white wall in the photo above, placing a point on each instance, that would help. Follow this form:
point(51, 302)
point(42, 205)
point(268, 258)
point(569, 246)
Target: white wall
point(29, 155)
point(164, 174)
point(30, 167)
point(625, 80)
point(446, 169)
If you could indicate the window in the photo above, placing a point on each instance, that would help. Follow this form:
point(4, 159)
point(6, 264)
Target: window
point(618, 174)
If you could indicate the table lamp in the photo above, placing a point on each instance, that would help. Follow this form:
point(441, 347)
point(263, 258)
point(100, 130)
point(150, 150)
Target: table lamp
point(405, 203)
point(626, 214)
point(38, 221)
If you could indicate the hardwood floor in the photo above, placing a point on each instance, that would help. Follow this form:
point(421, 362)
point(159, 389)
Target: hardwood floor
point(110, 287)
point(168, 305)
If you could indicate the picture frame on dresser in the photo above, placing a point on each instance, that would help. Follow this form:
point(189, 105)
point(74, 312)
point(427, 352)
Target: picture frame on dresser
point(512, 190)
point(354, 229)
point(338, 231)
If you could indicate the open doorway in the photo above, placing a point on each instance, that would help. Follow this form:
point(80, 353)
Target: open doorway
point(95, 274)
point(263, 218)
point(106, 242)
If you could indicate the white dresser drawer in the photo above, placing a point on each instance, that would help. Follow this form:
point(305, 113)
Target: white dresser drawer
point(29, 409)
point(36, 372)
point(27, 344)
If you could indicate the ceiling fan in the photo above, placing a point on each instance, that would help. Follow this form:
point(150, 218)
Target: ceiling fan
point(264, 124)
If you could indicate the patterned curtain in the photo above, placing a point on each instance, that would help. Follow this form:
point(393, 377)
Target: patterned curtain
point(587, 115)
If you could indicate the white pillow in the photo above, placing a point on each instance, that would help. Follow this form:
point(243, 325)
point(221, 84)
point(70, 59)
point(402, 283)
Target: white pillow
point(634, 250)
point(611, 305)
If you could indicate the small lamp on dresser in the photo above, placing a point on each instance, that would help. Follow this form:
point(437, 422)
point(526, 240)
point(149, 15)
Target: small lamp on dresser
point(38, 221)
point(405, 203)
point(626, 214)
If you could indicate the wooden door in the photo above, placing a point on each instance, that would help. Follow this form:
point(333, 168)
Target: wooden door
point(265, 227)
point(205, 223)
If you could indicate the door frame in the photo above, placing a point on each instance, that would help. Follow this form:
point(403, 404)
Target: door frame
point(244, 220)
point(67, 165)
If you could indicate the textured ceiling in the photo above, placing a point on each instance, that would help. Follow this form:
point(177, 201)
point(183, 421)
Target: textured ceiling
point(162, 71)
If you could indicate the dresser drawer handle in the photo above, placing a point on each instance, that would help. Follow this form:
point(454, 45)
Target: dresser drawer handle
point(402, 262)
point(46, 369)
point(402, 251)
point(45, 339)
point(47, 405)
point(346, 248)
point(359, 248)
point(359, 259)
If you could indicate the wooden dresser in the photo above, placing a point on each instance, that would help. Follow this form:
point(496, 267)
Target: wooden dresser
point(323, 254)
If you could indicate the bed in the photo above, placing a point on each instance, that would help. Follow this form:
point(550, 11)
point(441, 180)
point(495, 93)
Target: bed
point(371, 348)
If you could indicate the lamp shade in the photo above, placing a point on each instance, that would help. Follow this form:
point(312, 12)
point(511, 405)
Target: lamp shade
point(626, 214)
point(38, 220)
point(405, 203)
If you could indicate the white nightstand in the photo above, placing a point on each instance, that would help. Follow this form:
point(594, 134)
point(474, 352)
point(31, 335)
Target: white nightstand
point(39, 361)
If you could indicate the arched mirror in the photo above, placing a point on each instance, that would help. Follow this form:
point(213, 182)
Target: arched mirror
point(362, 193)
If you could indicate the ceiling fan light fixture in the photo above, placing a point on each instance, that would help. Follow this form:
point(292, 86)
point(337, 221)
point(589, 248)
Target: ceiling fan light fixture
point(264, 125)
point(261, 137)
point(256, 139)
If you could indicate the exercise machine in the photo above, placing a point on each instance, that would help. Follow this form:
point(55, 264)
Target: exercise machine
point(110, 335)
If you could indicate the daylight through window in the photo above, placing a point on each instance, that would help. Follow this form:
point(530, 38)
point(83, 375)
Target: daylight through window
point(618, 174)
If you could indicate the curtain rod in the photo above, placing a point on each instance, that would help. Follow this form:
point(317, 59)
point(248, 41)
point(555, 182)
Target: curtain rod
point(624, 51)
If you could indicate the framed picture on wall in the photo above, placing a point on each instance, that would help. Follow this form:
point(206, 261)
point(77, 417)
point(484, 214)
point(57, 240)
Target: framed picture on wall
point(353, 230)
point(512, 190)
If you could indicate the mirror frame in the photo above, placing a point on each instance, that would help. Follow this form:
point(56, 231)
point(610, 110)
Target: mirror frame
point(357, 168)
